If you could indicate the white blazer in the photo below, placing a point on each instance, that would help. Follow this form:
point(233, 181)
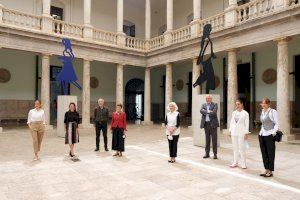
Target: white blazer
point(241, 127)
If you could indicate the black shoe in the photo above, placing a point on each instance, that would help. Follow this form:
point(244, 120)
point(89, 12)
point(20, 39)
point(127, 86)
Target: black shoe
point(206, 156)
point(97, 149)
point(215, 157)
point(106, 149)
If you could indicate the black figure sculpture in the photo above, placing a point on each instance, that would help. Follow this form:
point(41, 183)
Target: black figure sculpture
point(208, 74)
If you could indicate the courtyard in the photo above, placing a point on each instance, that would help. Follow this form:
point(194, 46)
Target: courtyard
point(143, 172)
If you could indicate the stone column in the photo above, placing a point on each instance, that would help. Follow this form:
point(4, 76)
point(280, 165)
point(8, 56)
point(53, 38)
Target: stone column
point(119, 84)
point(196, 90)
point(195, 26)
point(232, 91)
point(283, 98)
point(1, 15)
point(169, 84)
point(147, 102)
point(148, 20)
point(46, 17)
point(231, 14)
point(45, 88)
point(86, 96)
point(168, 33)
point(120, 21)
point(88, 29)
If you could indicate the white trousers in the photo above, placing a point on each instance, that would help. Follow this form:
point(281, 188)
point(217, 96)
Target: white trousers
point(239, 148)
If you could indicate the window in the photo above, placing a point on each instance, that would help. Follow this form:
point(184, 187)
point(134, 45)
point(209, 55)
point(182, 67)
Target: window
point(57, 13)
point(241, 2)
point(129, 28)
point(162, 29)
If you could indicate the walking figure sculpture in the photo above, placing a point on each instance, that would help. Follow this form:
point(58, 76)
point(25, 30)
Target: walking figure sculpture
point(67, 74)
point(208, 74)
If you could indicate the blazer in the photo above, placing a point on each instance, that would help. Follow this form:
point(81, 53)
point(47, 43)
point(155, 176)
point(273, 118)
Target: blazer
point(214, 122)
point(241, 127)
point(118, 121)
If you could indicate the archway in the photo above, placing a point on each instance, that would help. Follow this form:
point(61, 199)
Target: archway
point(134, 99)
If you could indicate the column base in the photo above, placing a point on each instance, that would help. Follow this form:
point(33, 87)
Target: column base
point(147, 123)
point(86, 126)
point(287, 138)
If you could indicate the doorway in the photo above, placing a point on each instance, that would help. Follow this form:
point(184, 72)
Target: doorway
point(296, 120)
point(55, 90)
point(134, 99)
point(244, 85)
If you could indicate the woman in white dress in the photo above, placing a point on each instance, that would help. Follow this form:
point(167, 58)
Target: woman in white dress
point(172, 123)
point(239, 130)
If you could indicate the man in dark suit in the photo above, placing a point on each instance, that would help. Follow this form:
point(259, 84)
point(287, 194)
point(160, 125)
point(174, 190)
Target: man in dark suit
point(210, 123)
point(101, 118)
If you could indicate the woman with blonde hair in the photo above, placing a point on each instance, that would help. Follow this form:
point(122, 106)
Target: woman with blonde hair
point(172, 123)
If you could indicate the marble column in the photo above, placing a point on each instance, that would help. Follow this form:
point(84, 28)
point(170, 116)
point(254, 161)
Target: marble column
point(283, 98)
point(120, 16)
point(232, 89)
point(87, 12)
point(169, 15)
point(197, 9)
point(231, 14)
point(196, 90)
point(46, 17)
point(119, 84)
point(46, 7)
point(169, 84)
point(45, 87)
point(148, 20)
point(147, 100)
point(86, 96)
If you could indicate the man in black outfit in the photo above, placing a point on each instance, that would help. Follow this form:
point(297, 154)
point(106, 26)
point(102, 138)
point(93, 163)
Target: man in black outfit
point(210, 123)
point(101, 118)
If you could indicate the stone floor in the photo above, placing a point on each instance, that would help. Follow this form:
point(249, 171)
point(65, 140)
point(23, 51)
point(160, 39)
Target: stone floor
point(143, 173)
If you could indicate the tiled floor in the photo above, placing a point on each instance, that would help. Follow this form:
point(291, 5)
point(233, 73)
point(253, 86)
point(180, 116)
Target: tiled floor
point(143, 173)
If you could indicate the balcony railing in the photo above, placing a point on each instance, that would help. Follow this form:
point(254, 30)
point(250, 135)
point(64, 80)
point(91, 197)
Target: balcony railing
point(67, 29)
point(181, 34)
point(244, 13)
point(156, 42)
point(21, 19)
point(105, 36)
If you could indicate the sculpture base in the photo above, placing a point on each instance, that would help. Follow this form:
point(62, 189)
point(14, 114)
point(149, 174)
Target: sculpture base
point(199, 134)
point(63, 102)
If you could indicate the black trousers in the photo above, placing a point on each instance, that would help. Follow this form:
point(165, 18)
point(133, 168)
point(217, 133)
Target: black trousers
point(267, 147)
point(210, 134)
point(173, 146)
point(118, 142)
point(101, 126)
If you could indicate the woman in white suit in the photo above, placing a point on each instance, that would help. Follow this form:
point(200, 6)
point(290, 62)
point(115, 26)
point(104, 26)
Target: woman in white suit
point(239, 130)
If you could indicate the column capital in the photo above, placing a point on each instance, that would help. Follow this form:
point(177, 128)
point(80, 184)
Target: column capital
point(88, 59)
point(233, 50)
point(46, 54)
point(169, 64)
point(283, 39)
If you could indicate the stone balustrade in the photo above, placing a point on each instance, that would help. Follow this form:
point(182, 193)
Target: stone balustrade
point(181, 34)
point(244, 13)
point(135, 43)
point(105, 36)
point(20, 19)
point(67, 29)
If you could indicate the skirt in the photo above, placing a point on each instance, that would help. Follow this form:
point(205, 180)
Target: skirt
point(118, 142)
point(72, 135)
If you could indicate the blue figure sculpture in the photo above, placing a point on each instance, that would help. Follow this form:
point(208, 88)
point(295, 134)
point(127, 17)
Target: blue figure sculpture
point(67, 74)
point(208, 74)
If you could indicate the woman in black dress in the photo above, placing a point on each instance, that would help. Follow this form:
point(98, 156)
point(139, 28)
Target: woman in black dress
point(71, 122)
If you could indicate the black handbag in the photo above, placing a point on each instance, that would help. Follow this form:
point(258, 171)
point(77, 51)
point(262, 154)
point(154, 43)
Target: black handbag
point(278, 136)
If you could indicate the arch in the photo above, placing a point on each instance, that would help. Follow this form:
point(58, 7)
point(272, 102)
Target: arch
point(134, 99)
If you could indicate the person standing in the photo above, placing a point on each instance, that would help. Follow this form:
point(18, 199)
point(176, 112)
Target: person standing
point(172, 123)
point(36, 123)
point(210, 124)
point(270, 125)
point(119, 129)
point(239, 130)
point(101, 115)
point(71, 124)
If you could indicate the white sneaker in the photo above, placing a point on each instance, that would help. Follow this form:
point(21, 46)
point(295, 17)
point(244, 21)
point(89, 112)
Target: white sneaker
point(233, 165)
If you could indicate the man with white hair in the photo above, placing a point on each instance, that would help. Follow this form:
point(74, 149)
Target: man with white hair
point(101, 118)
point(210, 123)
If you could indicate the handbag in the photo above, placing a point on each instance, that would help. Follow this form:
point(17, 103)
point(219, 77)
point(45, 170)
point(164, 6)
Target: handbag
point(278, 136)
